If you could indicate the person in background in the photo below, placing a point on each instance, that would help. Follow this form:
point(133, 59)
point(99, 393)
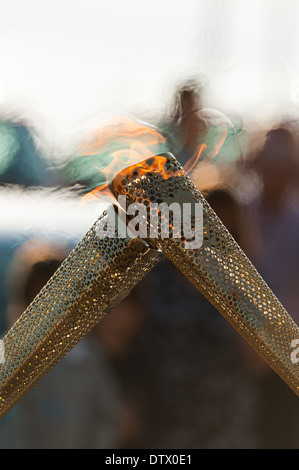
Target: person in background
point(274, 228)
point(185, 126)
point(275, 217)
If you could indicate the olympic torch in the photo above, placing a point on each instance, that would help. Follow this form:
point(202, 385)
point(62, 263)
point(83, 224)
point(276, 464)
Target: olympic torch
point(216, 266)
point(95, 276)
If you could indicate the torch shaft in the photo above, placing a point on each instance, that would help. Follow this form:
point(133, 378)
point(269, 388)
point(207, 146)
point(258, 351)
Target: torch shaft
point(219, 268)
point(95, 276)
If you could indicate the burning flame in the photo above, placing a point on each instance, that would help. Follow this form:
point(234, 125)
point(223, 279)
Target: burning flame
point(129, 143)
point(156, 163)
point(219, 144)
point(192, 162)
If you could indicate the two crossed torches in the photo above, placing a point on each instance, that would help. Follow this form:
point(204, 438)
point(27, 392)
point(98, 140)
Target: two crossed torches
point(101, 271)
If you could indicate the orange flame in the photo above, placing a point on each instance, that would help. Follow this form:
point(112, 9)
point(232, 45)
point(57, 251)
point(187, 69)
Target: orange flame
point(136, 142)
point(219, 145)
point(124, 130)
point(155, 163)
point(191, 163)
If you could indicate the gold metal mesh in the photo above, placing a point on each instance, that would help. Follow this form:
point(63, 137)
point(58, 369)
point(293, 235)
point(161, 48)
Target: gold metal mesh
point(219, 269)
point(96, 275)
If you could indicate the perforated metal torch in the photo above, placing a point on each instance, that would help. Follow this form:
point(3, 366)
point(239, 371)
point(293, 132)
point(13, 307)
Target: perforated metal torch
point(96, 275)
point(218, 268)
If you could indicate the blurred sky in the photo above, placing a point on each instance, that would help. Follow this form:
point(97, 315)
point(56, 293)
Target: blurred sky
point(69, 60)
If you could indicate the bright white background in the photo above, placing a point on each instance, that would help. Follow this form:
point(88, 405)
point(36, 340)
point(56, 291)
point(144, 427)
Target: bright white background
point(66, 61)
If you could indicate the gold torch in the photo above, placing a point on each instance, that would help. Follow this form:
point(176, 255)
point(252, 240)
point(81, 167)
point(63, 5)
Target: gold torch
point(216, 266)
point(96, 275)
point(101, 270)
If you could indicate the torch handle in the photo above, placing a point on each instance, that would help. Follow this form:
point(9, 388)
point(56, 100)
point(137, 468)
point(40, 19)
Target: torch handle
point(95, 276)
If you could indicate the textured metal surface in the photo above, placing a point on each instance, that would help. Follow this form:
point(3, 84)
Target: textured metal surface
point(96, 275)
point(219, 269)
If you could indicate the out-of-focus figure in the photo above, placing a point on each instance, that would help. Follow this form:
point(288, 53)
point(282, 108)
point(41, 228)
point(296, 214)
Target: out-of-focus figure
point(274, 229)
point(275, 218)
point(184, 126)
point(197, 133)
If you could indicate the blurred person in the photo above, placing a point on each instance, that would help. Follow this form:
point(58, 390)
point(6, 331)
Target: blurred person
point(185, 127)
point(187, 116)
point(275, 218)
point(274, 229)
point(196, 132)
point(76, 405)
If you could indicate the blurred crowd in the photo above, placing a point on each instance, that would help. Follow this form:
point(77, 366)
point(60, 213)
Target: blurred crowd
point(164, 369)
